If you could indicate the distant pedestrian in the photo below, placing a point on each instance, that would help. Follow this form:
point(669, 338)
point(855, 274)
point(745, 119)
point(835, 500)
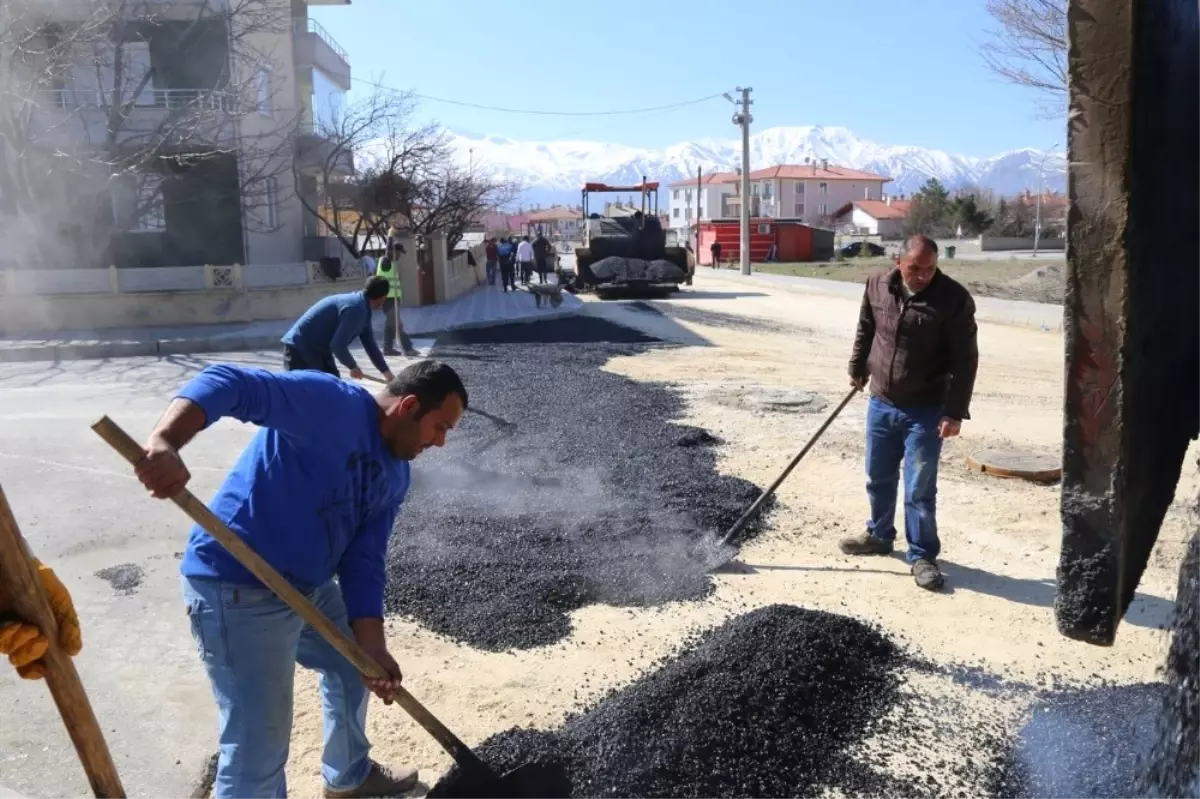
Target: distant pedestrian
point(525, 259)
point(325, 331)
point(541, 257)
point(491, 259)
point(368, 262)
point(389, 269)
point(916, 345)
point(715, 250)
point(508, 259)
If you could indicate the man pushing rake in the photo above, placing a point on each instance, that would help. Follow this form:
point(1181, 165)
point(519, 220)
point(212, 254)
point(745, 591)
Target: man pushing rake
point(315, 493)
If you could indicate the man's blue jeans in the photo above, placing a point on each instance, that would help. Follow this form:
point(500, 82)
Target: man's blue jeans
point(911, 435)
point(250, 642)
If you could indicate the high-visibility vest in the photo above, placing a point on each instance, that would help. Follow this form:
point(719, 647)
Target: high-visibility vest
point(387, 268)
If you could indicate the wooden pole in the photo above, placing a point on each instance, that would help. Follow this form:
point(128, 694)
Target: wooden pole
point(20, 582)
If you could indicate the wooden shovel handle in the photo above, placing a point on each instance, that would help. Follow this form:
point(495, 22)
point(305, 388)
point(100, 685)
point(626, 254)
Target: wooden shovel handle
point(131, 451)
point(24, 589)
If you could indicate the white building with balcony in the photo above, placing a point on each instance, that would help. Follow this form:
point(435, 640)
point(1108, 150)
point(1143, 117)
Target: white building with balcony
point(218, 185)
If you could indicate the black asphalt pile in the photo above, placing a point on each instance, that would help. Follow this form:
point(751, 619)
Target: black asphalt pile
point(1087, 742)
point(772, 703)
point(489, 555)
point(618, 269)
point(1174, 763)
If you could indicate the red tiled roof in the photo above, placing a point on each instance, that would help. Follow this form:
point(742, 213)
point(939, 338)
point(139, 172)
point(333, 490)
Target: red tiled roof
point(878, 209)
point(714, 177)
point(557, 212)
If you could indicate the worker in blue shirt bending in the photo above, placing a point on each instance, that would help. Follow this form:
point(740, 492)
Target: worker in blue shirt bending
point(326, 330)
point(315, 493)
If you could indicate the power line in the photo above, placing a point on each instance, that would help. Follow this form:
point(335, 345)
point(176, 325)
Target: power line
point(540, 112)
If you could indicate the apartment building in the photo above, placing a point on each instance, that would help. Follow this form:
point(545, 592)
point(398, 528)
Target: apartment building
point(810, 193)
point(215, 110)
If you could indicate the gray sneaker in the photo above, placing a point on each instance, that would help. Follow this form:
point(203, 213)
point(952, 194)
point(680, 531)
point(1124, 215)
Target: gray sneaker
point(865, 544)
point(927, 574)
point(379, 782)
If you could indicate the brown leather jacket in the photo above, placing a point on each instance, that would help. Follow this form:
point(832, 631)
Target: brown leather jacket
point(919, 351)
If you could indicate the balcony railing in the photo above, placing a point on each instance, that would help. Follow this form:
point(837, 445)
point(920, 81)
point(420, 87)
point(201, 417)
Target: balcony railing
point(167, 99)
point(310, 25)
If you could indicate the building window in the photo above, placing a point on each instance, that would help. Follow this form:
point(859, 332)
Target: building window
point(823, 188)
point(328, 102)
point(675, 194)
point(799, 209)
point(675, 210)
point(866, 192)
point(799, 187)
point(824, 209)
point(272, 200)
point(264, 91)
point(764, 229)
point(766, 190)
point(754, 189)
point(137, 204)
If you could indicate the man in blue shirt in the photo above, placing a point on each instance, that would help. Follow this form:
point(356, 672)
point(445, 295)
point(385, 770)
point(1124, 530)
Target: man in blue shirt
point(315, 493)
point(326, 329)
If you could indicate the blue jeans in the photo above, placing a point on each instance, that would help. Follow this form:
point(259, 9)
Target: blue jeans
point(492, 268)
point(911, 435)
point(250, 643)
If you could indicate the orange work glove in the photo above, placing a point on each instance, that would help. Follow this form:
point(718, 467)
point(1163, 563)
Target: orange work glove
point(24, 643)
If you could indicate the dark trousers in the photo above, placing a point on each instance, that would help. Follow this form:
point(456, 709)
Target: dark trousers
point(526, 271)
point(294, 361)
point(507, 275)
point(542, 265)
point(392, 326)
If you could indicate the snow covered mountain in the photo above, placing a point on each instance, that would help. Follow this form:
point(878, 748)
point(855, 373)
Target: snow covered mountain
point(553, 171)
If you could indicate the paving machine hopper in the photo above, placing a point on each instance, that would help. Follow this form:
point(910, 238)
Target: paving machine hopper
point(642, 264)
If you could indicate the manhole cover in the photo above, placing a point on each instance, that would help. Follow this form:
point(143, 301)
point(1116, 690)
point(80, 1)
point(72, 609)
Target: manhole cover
point(784, 399)
point(1026, 464)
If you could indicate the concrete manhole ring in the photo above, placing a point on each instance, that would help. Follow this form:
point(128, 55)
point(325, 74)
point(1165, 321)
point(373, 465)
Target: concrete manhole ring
point(784, 399)
point(1040, 467)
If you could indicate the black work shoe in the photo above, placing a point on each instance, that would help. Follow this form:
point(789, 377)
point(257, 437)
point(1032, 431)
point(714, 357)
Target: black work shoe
point(927, 574)
point(392, 351)
point(379, 782)
point(865, 544)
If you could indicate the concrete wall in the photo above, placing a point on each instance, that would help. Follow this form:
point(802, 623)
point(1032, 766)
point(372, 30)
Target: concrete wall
point(991, 243)
point(24, 314)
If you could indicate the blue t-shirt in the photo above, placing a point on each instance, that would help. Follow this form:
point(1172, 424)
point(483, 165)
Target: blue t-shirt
point(315, 492)
point(330, 325)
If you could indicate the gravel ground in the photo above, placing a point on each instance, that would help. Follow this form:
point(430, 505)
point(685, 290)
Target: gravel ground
point(490, 557)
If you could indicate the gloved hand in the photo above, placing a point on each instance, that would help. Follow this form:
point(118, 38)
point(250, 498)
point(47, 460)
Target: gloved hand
point(24, 643)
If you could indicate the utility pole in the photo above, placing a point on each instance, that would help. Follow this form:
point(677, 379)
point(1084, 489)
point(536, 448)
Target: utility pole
point(744, 119)
point(1037, 220)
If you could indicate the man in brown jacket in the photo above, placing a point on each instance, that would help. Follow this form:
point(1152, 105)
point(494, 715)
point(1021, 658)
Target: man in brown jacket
point(916, 344)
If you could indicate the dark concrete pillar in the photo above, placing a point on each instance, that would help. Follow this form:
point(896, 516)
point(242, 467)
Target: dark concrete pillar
point(1132, 319)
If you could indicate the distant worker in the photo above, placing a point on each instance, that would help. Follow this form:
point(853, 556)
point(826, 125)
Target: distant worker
point(507, 254)
point(326, 329)
point(525, 259)
point(541, 257)
point(715, 250)
point(491, 259)
point(368, 262)
point(916, 344)
point(25, 643)
point(389, 269)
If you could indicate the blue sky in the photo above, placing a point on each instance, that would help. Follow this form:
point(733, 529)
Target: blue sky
point(895, 71)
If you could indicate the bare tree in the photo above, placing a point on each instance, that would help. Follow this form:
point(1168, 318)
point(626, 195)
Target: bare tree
point(114, 104)
point(376, 170)
point(1027, 45)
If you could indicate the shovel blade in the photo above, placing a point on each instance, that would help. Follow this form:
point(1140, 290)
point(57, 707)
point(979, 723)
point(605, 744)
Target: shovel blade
point(530, 781)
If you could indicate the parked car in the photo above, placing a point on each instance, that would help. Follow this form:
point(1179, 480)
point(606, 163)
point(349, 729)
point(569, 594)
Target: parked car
point(854, 249)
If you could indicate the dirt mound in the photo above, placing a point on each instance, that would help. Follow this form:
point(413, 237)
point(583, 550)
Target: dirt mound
point(772, 703)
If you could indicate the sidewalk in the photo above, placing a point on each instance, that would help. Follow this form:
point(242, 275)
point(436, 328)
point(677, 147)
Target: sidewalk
point(484, 306)
point(987, 309)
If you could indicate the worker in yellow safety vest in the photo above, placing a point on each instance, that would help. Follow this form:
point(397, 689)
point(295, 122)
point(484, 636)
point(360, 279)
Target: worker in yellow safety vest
point(389, 268)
